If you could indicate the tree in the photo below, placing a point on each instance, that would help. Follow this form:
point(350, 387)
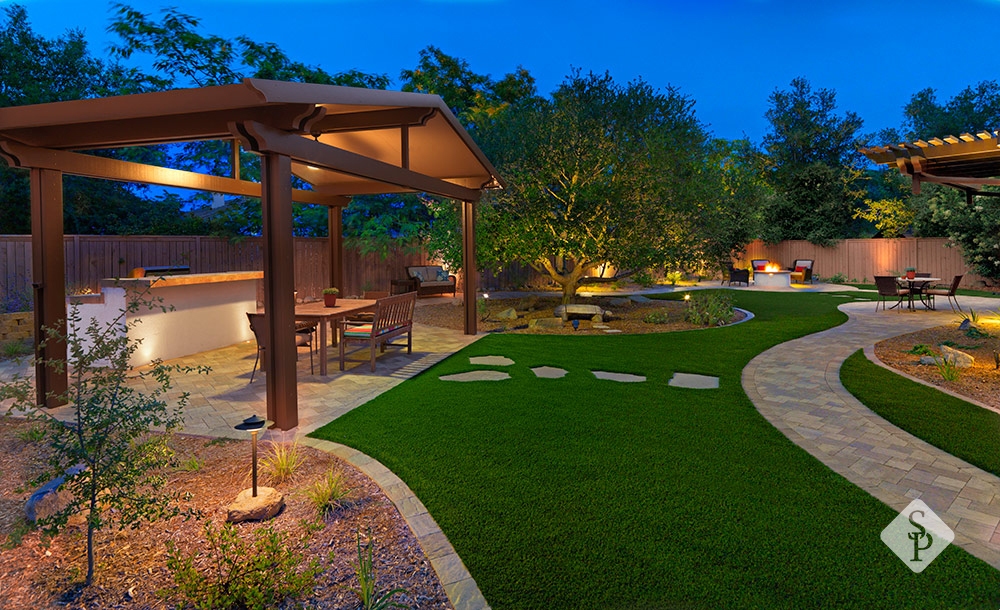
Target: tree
point(972, 110)
point(601, 173)
point(975, 226)
point(37, 70)
point(111, 461)
point(814, 165)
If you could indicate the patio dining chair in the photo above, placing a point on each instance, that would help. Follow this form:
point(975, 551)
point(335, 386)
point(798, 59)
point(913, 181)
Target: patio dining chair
point(304, 332)
point(737, 275)
point(947, 292)
point(887, 287)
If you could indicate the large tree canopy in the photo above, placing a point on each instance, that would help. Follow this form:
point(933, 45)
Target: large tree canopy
point(814, 165)
point(599, 173)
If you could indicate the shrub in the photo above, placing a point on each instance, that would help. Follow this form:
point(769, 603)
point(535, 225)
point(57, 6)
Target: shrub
point(367, 590)
point(14, 349)
point(660, 316)
point(643, 278)
point(710, 309)
point(673, 277)
point(921, 349)
point(281, 462)
point(329, 493)
point(257, 574)
point(837, 278)
point(15, 295)
point(948, 369)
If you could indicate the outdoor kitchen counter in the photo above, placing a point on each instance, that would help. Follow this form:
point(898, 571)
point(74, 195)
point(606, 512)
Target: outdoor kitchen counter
point(205, 311)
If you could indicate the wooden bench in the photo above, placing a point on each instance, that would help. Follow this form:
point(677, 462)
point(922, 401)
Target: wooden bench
point(393, 317)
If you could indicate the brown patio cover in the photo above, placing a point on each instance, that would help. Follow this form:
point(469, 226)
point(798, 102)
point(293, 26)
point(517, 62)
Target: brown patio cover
point(342, 141)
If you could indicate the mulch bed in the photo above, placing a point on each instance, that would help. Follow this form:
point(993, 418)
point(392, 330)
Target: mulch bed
point(132, 572)
point(980, 382)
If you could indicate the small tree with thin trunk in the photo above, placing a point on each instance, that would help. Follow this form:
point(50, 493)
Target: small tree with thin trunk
point(112, 446)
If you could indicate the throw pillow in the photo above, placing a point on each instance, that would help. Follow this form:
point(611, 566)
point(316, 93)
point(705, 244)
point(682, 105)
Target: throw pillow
point(759, 268)
point(442, 275)
point(799, 269)
point(417, 273)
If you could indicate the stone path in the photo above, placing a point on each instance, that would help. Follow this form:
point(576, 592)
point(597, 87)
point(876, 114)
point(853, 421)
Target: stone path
point(796, 386)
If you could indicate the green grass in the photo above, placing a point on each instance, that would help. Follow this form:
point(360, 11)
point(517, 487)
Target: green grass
point(580, 493)
point(954, 425)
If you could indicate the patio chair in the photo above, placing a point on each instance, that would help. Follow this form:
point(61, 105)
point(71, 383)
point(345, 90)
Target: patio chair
point(949, 292)
point(303, 337)
point(802, 271)
point(737, 275)
point(758, 264)
point(887, 287)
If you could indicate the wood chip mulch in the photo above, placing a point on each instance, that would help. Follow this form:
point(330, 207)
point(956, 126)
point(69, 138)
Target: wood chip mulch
point(980, 382)
point(131, 564)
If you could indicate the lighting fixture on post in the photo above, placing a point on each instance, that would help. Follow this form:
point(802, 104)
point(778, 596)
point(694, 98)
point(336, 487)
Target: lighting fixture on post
point(253, 424)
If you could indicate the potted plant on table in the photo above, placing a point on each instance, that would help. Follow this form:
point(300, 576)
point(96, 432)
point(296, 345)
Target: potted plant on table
point(911, 272)
point(330, 297)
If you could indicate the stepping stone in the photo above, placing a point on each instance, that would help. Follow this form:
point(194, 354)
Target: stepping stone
point(620, 301)
point(623, 377)
point(695, 382)
point(638, 298)
point(491, 360)
point(600, 326)
point(613, 330)
point(548, 372)
point(476, 376)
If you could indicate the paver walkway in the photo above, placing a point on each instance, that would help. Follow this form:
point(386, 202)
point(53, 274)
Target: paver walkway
point(796, 386)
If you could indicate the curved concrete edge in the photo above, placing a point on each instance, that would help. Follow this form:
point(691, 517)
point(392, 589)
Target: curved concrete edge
point(874, 359)
point(459, 586)
point(748, 313)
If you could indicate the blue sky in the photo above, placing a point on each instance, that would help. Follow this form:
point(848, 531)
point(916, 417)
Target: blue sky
point(728, 55)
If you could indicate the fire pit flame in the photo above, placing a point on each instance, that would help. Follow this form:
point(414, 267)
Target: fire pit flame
point(770, 267)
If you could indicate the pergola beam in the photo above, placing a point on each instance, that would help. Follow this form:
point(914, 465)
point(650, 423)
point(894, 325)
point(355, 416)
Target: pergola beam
point(19, 155)
point(262, 138)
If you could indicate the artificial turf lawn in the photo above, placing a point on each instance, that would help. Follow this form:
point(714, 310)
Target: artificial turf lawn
point(581, 493)
point(962, 429)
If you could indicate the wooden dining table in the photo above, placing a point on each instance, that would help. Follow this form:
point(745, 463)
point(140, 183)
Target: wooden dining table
point(327, 317)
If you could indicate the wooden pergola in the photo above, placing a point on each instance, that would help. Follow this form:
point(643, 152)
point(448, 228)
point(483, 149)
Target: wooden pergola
point(967, 162)
point(342, 141)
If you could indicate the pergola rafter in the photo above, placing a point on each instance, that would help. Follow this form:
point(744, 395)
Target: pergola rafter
point(967, 162)
point(342, 141)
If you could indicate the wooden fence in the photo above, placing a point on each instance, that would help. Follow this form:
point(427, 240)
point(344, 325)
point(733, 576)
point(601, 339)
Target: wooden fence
point(863, 259)
point(91, 258)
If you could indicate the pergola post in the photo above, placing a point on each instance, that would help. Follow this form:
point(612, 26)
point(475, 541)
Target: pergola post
point(49, 281)
point(279, 289)
point(469, 286)
point(335, 225)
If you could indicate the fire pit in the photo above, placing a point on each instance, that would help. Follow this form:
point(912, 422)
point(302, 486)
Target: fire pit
point(772, 277)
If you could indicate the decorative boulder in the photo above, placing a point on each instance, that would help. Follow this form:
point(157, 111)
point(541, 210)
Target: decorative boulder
point(507, 314)
point(956, 357)
point(545, 323)
point(619, 302)
point(267, 504)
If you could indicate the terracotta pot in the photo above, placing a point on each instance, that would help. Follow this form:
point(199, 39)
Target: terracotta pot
point(911, 274)
point(330, 300)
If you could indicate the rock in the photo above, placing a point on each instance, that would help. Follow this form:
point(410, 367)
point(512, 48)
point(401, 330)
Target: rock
point(965, 325)
point(638, 298)
point(618, 302)
point(928, 360)
point(507, 314)
point(598, 318)
point(956, 357)
point(545, 323)
point(267, 504)
point(528, 303)
point(585, 312)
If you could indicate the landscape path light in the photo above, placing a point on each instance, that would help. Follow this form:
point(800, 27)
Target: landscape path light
point(253, 424)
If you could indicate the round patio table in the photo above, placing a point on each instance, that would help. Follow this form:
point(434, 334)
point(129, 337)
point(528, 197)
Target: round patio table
point(911, 283)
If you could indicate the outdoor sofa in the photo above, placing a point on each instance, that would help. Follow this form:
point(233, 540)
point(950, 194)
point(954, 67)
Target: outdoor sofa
point(431, 280)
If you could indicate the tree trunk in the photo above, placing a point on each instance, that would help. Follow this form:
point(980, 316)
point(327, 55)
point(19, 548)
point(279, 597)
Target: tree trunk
point(90, 541)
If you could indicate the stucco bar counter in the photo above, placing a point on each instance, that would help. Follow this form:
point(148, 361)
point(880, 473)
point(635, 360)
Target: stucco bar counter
point(205, 311)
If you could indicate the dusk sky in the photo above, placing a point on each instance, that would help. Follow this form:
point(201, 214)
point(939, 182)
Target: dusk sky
point(727, 55)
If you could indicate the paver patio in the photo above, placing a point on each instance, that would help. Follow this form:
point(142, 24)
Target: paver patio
point(796, 386)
